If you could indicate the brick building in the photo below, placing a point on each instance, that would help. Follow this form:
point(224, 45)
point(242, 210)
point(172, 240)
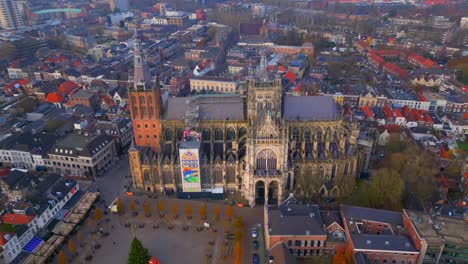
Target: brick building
point(379, 235)
point(144, 103)
point(303, 229)
point(85, 98)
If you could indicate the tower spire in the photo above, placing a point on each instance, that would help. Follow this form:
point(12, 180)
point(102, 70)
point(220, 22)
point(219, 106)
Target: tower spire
point(262, 69)
point(141, 75)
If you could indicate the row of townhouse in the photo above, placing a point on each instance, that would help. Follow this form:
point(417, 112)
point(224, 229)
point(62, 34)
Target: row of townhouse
point(34, 200)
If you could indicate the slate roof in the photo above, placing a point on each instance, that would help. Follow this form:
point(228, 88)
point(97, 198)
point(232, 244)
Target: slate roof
point(83, 94)
point(206, 107)
point(79, 145)
point(371, 214)
point(295, 219)
point(382, 242)
point(280, 254)
point(310, 108)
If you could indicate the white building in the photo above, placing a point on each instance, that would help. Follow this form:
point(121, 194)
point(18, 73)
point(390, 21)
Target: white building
point(15, 73)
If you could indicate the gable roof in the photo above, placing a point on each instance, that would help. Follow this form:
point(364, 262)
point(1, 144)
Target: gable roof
point(310, 108)
point(370, 214)
point(17, 219)
point(66, 87)
point(53, 98)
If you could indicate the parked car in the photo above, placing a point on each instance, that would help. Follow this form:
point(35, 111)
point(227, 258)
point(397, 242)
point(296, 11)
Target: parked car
point(255, 244)
point(255, 258)
point(254, 232)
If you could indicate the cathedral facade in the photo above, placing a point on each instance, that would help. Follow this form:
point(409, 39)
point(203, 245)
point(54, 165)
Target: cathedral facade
point(258, 145)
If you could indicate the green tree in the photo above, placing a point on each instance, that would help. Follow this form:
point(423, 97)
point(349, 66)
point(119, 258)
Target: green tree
point(71, 246)
point(174, 210)
point(147, 208)
point(97, 214)
point(188, 211)
point(228, 212)
point(138, 254)
point(202, 211)
point(216, 213)
point(387, 188)
point(307, 184)
point(160, 207)
point(120, 206)
point(61, 258)
point(132, 206)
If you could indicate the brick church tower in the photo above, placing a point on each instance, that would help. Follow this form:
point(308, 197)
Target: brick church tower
point(144, 102)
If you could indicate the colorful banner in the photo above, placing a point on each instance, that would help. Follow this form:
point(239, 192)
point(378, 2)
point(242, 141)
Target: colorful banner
point(190, 167)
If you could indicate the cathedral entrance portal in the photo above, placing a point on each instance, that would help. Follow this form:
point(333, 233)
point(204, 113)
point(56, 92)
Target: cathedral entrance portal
point(273, 193)
point(260, 193)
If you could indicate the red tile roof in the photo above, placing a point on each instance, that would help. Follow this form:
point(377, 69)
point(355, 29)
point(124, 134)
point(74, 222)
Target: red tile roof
point(290, 76)
point(56, 59)
point(394, 69)
point(405, 110)
point(66, 87)
point(53, 98)
point(397, 113)
point(107, 100)
point(17, 219)
point(387, 112)
point(367, 111)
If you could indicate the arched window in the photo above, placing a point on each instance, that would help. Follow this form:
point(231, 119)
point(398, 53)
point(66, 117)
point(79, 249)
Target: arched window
point(218, 134)
point(318, 135)
point(168, 134)
point(156, 175)
point(346, 167)
point(135, 110)
point(178, 176)
point(206, 134)
point(143, 110)
point(268, 106)
point(151, 110)
point(295, 133)
point(142, 99)
point(333, 172)
point(167, 176)
point(205, 177)
point(231, 175)
point(230, 134)
point(133, 100)
point(307, 135)
point(180, 134)
point(242, 132)
point(259, 106)
point(146, 177)
point(266, 160)
point(218, 175)
point(321, 171)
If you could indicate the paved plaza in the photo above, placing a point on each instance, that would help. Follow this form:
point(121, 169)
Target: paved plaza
point(169, 246)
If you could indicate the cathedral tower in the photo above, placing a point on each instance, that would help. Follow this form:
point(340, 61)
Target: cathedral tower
point(144, 102)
